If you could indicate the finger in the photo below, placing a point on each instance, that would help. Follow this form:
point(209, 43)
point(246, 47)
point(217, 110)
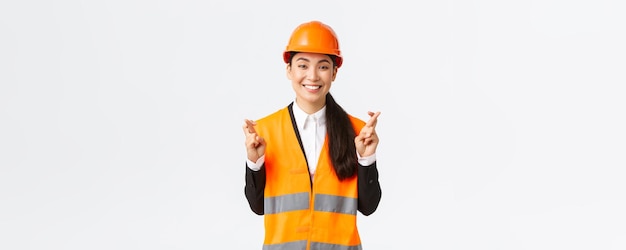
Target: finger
point(250, 126)
point(358, 138)
point(361, 136)
point(251, 141)
point(368, 141)
point(373, 119)
point(260, 140)
point(366, 132)
point(245, 130)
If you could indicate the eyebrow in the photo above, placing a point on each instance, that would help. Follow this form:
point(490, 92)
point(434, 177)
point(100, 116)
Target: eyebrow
point(305, 59)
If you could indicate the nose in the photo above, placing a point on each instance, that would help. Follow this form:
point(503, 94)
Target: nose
point(312, 74)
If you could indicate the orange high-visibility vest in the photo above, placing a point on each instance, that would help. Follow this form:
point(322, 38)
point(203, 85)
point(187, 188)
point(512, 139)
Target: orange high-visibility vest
point(300, 214)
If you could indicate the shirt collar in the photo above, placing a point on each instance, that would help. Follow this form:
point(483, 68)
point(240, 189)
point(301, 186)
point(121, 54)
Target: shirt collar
point(301, 116)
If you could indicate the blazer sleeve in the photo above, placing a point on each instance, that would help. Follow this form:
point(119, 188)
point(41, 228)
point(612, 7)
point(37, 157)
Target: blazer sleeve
point(369, 189)
point(255, 189)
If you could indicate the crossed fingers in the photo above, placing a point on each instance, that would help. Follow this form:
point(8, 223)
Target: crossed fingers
point(248, 127)
point(373, 119)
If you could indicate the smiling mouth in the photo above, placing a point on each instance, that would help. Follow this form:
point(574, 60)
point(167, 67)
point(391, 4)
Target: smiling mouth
point(311, 86)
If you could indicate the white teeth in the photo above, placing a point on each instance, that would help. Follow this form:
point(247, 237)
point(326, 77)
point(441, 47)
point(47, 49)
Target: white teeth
point(312, 87)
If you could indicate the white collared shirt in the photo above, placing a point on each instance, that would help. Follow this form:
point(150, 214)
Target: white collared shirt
point(312, 129)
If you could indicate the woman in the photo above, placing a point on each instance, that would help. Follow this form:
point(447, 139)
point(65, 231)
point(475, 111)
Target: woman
point(311, 166)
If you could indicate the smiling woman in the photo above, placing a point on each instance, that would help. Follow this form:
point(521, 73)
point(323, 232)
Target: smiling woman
point(311, 76)
point(311, 166)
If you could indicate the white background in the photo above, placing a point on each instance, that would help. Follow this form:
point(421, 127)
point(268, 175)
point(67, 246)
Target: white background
point(502, 122)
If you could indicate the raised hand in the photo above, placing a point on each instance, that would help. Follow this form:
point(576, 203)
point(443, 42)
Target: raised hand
point(367, 139)
point(255, 145)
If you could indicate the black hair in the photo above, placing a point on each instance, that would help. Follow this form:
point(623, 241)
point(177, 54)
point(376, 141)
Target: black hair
point(341, 135)
point(340, 139)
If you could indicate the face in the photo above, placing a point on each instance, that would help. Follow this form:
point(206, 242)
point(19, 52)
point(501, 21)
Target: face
point(311, 76)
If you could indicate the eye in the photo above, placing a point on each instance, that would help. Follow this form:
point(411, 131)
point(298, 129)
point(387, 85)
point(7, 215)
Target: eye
point(302, 66)
point(324, 67)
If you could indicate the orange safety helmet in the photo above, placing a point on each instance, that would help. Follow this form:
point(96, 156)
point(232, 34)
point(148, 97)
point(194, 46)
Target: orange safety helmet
point(314, 37)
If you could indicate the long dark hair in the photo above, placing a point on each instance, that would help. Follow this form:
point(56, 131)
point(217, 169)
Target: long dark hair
point(340, 139)
point(341, 135)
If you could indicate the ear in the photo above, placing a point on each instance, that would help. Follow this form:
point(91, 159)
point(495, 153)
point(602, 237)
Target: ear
point(288, 71)
point(334, 73)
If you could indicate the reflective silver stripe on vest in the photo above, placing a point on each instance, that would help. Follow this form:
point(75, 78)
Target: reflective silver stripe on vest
point(294, 245)
point(326, 246)
point(336, 204)
point(286, 203)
